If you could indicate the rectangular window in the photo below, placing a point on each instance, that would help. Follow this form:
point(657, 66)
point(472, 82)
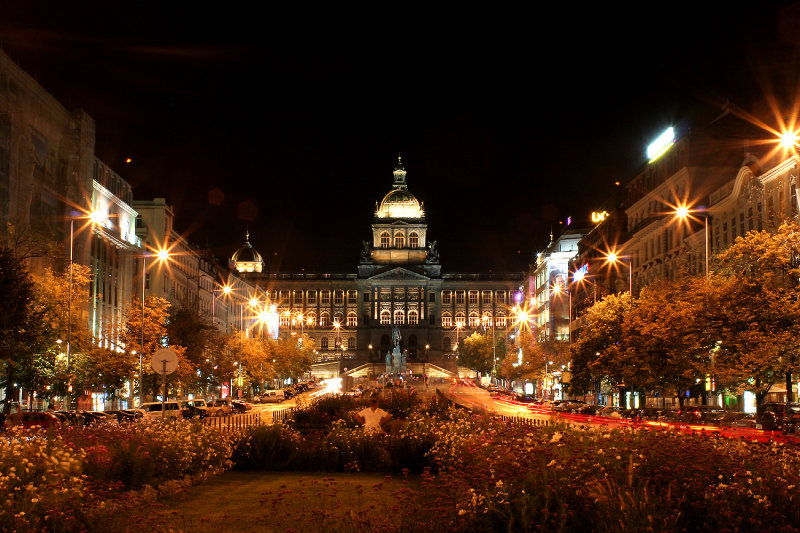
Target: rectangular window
point(284, 297)
point(431, 296)
point(298, 297)
point(741, 224)
point(312, 297)
point(447, 297)
point(473, 297)
point(733, 229)
point(338, 297)
point(501, 297)
point(459, 297)
point(366, 296)
point(325, 297)
point(487, 297)
point(352, 297)
point(352, 321)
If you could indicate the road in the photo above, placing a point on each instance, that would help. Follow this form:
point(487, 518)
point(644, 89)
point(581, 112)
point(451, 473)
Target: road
point(470, 395)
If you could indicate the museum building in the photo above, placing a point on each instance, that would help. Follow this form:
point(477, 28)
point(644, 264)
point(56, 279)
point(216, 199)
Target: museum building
point(398, 282)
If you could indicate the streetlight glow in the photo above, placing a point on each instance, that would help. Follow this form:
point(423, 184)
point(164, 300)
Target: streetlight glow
point(789, 139)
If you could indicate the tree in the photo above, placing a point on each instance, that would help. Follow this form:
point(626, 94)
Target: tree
point(476, 352)
point(665, 338)
point(154, 321)
point(758, 280)
point(16, 292)
point(593, 360)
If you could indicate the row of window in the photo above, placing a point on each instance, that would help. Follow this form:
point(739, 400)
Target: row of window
point(309, 320)
point(346, 344)
point(399, 240)
point(472, 321)
point(338, 296)
point(485, 297)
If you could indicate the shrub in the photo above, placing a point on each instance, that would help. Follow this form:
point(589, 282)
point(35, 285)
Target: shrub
point(272, 447)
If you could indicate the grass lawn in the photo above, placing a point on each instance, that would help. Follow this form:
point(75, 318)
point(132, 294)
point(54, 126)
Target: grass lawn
point(281, 502)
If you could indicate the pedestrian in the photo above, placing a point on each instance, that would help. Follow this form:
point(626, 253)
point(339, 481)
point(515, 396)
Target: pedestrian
point(373, 417)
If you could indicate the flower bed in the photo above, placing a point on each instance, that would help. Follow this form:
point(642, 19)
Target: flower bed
point(479, 473)
point(75, 478)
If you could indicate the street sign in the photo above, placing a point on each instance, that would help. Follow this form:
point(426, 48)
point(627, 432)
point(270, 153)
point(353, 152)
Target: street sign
point(164, 361)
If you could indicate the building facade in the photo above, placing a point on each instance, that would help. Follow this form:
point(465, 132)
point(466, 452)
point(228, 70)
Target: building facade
point(398, 283)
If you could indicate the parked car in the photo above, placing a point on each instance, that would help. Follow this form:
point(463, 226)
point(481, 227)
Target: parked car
point(565, 406)
point(125, 415)
point(524, 398)
point(32, 419)
point(610, 411)
point(289, 392)
point(152, 410)
point(240, 406)
point(699, 414)
point(273, 396)
point(776, 416)
point(195, 408)
point(586, 409)
point(735, 419)
point(220, 407)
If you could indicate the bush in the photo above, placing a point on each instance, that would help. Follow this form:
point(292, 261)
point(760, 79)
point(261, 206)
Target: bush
point(272, 447)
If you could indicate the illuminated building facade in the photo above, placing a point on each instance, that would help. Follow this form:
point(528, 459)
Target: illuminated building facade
point(398, 282)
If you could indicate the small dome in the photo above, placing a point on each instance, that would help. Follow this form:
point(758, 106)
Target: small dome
point(400, 203)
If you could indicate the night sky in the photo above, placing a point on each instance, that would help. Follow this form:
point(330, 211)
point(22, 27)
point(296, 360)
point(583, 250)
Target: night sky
point(290, 123)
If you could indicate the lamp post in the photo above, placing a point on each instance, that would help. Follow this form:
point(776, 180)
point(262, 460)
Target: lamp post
point(337, 326)
point(614, 258)
point(683, 212)
point(459, 325)
point(69, 313)
point(161, 256)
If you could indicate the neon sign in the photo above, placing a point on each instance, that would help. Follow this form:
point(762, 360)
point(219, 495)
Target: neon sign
point(662, 143)
point(599, 216)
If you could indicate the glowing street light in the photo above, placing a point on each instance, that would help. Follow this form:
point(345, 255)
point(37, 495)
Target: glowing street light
point(613, 258)
point(160, 256)
point(789, 139)
point(683, 212)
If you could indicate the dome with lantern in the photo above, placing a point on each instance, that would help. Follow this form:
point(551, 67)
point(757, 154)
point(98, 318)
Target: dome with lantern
point(247, 258)
point(399, 202)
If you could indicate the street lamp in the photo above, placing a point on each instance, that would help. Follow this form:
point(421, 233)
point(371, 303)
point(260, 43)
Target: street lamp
point(682, 212)
point(160, 256)
point(614, 258)
point(459, 325)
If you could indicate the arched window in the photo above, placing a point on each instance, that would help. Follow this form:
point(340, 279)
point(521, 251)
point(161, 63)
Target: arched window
point(486, 320)
point(337, 320)
point(460, 319)
point(399, 240)
point(352, 319)
point(386, 317)
point(284, 319)
point(323, 343)
point(501, 321)
point(385, 239)
point(413, 317)
point(311, 319)
point(447, 320)
point(474, 321)
point(446, 344)
point(399, 317)
point(413, 240)
point(324, 319)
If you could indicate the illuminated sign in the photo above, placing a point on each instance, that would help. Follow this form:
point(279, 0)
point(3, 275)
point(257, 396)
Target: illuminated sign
point(599, 216)
point(581, 272)
point(663, 143)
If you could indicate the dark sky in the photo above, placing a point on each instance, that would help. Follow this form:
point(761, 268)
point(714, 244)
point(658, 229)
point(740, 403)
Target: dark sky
point(289, 123)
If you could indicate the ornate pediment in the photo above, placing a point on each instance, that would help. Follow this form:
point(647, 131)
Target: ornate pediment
point(399, 273)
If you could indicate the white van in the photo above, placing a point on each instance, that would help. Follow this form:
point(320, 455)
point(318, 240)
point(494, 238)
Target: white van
point(152, 410)
point(270, 396)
